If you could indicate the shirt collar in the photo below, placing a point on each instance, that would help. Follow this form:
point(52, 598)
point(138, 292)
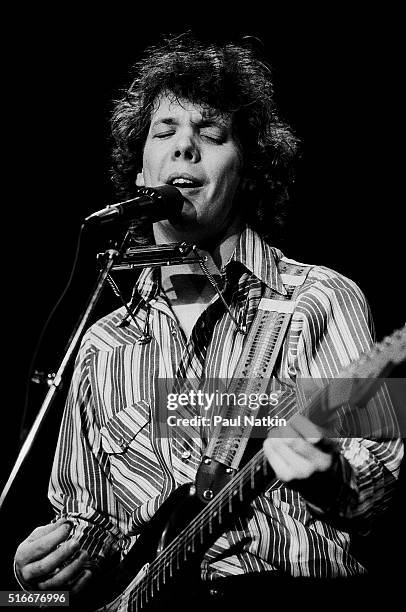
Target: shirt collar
point(259, 258)
point(251, 251)
point(147, 285)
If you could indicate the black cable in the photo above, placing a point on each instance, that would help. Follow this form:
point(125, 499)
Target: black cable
point(22, 432)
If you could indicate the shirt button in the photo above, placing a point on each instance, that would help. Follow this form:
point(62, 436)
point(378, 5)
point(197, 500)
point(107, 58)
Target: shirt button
point(185, 455)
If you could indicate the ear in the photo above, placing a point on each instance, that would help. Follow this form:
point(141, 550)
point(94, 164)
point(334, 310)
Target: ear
point(139, 181)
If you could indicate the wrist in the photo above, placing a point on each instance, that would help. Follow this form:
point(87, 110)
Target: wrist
point(324, 491)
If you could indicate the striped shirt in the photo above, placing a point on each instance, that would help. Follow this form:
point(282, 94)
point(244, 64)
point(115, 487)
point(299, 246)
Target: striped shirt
point(112, 469)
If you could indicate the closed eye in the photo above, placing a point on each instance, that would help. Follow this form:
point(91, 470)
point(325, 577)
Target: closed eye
point(213, 135)
point(164, 134)
point(212, 138)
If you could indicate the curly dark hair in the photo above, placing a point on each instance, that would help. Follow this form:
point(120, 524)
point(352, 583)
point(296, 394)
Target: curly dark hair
point(228, 78)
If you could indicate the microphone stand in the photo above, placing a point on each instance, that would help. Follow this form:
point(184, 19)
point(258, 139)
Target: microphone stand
point(55, 385)
point(157, 255)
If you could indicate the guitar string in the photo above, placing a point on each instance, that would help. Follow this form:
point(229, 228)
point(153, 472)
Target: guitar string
point(201, 519)
point(169, 554)
point(183, 539)
point(181, 542)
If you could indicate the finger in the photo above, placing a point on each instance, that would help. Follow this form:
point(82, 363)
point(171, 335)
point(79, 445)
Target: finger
point(39, 546)
point(305, 428)
point(294, 440)
point(45, 566)
point(283, 471)
point(45, 530)
point(307, 450)
point(66, 574)
point(300, 428)
point(287, 464)
point(319, 453)
point(307, 460)
point(297, 444)
point(81, 581)
point(280, 433)
point(32, 550)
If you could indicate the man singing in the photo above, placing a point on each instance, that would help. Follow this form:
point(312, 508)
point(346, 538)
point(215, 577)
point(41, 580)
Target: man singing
point(203, 118)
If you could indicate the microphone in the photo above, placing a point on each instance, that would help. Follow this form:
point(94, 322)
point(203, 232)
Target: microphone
point(153, 203)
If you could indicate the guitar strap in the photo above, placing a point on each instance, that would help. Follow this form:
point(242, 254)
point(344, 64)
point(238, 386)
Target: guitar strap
point(254, 369)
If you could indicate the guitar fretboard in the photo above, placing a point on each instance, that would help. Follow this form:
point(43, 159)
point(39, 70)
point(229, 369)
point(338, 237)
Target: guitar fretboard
point(204, 529)
point(256, 475)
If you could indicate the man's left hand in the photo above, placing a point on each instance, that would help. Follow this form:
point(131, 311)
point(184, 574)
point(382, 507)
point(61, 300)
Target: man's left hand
point(291, 450)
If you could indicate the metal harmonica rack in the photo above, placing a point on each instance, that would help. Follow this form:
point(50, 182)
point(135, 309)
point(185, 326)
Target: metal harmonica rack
point(155, 255)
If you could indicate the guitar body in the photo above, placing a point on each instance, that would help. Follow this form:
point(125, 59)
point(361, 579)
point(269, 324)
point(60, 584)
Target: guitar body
point(177, 511)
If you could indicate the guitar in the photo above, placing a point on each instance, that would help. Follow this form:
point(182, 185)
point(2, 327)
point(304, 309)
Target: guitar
point(173, 543)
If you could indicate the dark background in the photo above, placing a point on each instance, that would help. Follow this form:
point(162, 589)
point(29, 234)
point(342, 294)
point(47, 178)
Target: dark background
point(337, 77)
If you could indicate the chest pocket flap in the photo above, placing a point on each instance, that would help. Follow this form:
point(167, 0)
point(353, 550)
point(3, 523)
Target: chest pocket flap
point(121, 429)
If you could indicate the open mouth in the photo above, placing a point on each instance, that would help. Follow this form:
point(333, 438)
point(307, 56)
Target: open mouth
point(184, 182)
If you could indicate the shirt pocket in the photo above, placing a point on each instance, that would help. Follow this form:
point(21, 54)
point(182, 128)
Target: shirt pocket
point(121, 429)
point(133, 467)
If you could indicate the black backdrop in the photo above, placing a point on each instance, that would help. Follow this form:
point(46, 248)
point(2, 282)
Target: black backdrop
point(337, 80)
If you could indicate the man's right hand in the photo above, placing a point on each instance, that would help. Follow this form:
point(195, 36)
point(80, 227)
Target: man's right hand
point(47, 560)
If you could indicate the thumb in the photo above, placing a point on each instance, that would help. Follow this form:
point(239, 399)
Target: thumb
point(45, 529)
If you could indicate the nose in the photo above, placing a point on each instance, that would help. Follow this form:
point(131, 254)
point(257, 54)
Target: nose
point(186, 148)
